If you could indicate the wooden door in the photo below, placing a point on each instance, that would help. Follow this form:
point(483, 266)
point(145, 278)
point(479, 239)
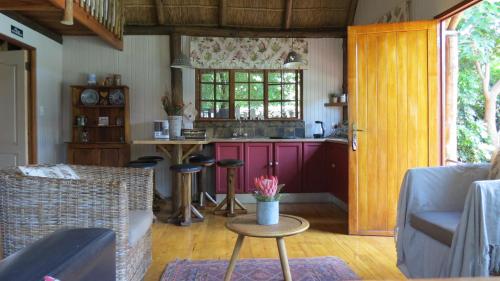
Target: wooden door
point(288, 165)
point(258, 162)
point(314, 164)
point(394, 110)
point(13, 109)
point(228, 151)
point(337, 170)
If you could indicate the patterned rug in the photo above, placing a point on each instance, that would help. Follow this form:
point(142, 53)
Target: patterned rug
point(310, 269)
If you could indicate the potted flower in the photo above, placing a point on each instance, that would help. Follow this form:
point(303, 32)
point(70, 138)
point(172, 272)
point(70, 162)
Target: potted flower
point(174, 112)
point(267, 195)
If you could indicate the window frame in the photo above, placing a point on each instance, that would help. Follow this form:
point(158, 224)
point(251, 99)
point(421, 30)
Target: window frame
point(299, 75)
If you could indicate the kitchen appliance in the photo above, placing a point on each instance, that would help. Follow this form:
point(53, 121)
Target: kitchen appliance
point(318, 130)
point(161, 129)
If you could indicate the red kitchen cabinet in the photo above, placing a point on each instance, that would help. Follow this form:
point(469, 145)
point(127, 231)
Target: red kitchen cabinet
point(288, 165)
point(314, 166)
point(337, 167)
point(258, 162)
point(229, 151)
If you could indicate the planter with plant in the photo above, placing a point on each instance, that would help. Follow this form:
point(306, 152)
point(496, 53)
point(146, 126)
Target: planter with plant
point(267, 194)
point(174, 112)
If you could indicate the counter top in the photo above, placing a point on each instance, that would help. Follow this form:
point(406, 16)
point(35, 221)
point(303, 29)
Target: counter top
point(214, 140)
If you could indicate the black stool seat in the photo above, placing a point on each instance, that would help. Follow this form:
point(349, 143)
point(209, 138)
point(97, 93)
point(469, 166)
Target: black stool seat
point(151, 158)
point(202, 160)
point(185, 168)
point(230, 163)
point(141, 164)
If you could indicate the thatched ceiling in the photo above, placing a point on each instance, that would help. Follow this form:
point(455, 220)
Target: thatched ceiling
point(257, 14)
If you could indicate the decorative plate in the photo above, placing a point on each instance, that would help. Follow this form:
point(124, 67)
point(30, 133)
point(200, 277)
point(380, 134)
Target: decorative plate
point(89, 97)
point(116, 97)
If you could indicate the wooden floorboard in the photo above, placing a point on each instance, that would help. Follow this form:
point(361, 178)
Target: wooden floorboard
point(369, 257)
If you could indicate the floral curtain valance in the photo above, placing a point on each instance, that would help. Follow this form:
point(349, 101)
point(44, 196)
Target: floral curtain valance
point(244, 53)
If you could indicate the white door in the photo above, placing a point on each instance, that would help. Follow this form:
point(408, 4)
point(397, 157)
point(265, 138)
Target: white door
point(13, 109)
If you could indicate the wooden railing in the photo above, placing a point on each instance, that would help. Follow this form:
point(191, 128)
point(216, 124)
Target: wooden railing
point(107, 12)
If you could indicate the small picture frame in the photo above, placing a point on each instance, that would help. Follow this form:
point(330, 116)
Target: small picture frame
point(103, 121)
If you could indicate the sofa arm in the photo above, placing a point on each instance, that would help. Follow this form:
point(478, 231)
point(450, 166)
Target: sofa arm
point(73, 254)
point(139, 182)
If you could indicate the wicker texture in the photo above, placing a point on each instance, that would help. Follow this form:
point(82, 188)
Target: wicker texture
point(32, 207)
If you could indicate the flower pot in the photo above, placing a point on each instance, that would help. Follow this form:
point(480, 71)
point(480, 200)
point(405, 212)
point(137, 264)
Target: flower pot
point(174, 126)
point(268, 212)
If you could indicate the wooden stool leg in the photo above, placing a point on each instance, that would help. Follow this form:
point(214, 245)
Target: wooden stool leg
point(234, 257)
point(186, 200)
point(284, 259)
point(201, 188)
point(210, 198)
point(230, 192)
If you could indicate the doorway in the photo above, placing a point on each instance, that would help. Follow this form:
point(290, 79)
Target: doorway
point(18, 61)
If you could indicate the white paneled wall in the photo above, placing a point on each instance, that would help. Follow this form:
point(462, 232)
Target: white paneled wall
point(144, 66)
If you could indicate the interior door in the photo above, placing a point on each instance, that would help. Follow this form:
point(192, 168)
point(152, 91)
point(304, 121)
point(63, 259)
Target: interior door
point(393, 115)
point(13, 109)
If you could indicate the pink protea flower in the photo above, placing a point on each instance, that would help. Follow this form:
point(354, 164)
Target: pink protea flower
point(267, 188)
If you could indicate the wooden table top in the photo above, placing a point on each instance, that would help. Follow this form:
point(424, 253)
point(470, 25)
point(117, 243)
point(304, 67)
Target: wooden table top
point(287, 226)
point(167, 141)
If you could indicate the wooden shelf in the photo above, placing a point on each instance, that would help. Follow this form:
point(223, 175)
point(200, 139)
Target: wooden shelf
point(337, 104)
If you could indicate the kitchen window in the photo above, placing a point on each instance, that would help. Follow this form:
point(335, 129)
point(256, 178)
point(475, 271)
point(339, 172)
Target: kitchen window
point(249, 94)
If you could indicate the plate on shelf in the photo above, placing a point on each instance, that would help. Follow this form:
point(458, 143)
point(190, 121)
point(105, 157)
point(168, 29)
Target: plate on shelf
point(116, 97)
point(89, 97)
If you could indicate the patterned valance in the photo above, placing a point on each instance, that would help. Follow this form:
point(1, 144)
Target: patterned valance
point(244, 53)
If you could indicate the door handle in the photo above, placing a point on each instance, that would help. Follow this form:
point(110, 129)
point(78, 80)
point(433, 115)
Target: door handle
point(276, 163)
point(333, 165)
point(270, 163)
point(356, 129)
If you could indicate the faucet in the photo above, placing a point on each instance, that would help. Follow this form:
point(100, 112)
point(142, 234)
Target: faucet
point(240, 132)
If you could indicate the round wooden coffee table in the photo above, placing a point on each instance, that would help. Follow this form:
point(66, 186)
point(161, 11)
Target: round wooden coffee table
point(247, 226)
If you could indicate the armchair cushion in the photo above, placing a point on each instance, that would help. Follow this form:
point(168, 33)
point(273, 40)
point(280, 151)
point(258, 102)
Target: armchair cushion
point(139, 223)
point(439, 225)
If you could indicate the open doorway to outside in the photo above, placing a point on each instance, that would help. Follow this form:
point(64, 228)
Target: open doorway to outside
point(471, 81)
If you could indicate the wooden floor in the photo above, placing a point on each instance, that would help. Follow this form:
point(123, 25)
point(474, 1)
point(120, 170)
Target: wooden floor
point(369, 257)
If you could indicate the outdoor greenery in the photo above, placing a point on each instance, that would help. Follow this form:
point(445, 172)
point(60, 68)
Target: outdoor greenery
point(479, 36)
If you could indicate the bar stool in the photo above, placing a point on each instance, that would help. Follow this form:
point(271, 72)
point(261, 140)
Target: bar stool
point(204, 162)
point(187, 210)
point(151, 158)
point(144, 164)
point(150, 162)
point(230, 201)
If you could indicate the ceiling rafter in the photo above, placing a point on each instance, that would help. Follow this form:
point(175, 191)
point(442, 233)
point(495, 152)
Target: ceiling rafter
point(160, 13)
point(222, 12)
point(287, 15)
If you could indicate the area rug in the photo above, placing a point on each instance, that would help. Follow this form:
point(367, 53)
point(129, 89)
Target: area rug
point(310, 269)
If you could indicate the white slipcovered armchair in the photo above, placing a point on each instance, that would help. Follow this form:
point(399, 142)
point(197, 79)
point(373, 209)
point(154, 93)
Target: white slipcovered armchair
point(448, 222)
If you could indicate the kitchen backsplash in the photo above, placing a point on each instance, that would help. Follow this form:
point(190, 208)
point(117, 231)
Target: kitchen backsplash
point(225, 129)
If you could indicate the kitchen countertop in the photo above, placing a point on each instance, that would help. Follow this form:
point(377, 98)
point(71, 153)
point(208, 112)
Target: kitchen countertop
point(214, 140)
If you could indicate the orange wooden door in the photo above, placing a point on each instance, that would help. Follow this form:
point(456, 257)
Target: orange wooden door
point(393, 114)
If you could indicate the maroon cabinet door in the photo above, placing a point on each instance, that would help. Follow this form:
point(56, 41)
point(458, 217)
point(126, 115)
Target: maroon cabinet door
point(228, 151)
point(314, 167)
point(337, 169)
point(288, 165)
point(258, 162)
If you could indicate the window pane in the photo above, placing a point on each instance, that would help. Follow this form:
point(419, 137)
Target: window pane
point(256, 91)
point(241, 76)
point(241, 109)
point(289, 110)
point(241, 91)
point(274, 77)
point(274, 92)
point(289, 77)
point(274, 110)
point(207, 77)
point(207, 91)
point(222, 76)
point(289, 92)
point(222, 92)
point(207, 110)
point(257, 109)
point(256, 77)
point(222, 110)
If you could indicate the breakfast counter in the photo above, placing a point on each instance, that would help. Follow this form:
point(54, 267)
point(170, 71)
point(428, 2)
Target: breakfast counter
point(219, 140)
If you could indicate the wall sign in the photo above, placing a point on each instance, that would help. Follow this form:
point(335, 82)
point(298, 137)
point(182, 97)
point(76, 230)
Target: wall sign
point(16, 30)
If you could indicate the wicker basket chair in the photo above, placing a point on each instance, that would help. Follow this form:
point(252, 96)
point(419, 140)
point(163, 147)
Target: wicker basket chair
point(32, 207)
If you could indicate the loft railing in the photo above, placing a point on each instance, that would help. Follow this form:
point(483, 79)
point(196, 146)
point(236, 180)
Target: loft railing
point(107, 12)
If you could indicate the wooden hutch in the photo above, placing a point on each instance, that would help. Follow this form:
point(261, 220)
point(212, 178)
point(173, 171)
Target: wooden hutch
point(100, 129)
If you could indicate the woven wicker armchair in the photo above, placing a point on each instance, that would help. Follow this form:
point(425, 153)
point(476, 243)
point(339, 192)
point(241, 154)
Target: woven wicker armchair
point(32, 207)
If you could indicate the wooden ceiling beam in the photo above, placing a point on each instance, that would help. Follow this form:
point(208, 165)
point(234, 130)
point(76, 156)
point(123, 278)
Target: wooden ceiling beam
point(235, 32)
point(91, 23)
point(34, 25)
point(222, 12)
point(160, 13)
point(351, 13)
point(287, 15)
point(10, 6)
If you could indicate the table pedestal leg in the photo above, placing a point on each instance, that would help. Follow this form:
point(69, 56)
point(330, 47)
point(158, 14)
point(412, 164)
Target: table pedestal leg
point(234, 257)
point(284, 259)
